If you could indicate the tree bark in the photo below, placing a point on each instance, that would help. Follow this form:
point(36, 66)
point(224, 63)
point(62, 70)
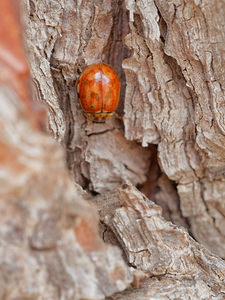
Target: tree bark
point(170, 59)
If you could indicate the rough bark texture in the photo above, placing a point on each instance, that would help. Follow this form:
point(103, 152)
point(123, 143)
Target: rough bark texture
point(169, 57)
point(50, 247)
point(98, 155)
point(160, 249)
point(178, 69)
point(174, 96)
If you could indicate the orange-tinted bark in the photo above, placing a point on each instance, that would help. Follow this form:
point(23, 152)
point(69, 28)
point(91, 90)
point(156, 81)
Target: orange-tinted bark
point(87, 236)
point(14, 70)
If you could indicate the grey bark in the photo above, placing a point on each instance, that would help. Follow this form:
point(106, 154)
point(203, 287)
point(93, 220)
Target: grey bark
point(169, 56)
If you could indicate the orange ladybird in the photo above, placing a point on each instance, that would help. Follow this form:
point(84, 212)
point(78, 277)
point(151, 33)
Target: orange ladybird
point(99, 91)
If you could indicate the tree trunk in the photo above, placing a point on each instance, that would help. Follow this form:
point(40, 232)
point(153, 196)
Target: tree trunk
point(168, 148)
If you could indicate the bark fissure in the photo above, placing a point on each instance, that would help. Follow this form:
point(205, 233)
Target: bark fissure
point(169, 57)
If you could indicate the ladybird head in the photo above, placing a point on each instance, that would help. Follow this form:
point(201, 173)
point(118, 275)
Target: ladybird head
point(100, 117)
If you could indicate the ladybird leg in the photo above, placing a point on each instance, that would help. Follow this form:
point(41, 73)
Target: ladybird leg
point(118, 116)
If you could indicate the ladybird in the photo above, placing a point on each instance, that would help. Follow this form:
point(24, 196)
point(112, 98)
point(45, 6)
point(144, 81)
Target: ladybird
point(99, 91)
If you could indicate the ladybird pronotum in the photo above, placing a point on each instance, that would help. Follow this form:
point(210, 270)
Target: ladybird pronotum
point(99, 91)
